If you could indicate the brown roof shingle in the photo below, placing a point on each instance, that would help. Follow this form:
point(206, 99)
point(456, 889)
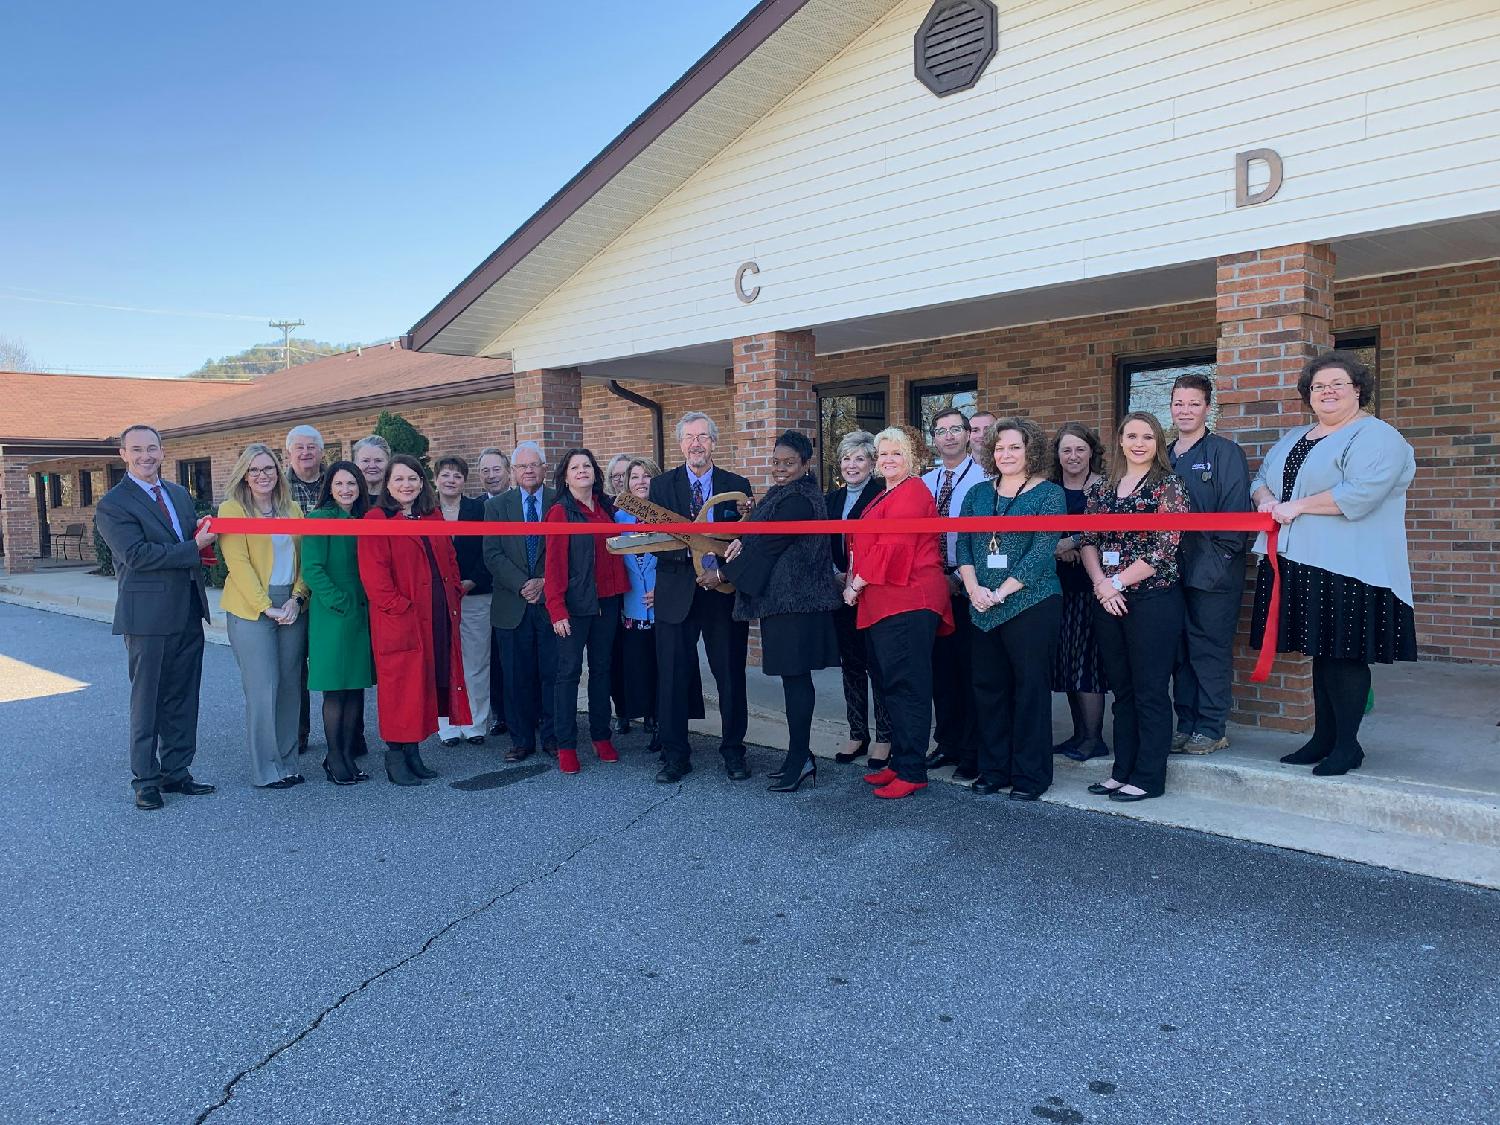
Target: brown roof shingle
point(43, 407)
point(344, 382)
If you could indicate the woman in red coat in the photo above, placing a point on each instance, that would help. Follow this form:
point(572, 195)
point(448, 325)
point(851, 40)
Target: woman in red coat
point(415, 601)
point(896, 581)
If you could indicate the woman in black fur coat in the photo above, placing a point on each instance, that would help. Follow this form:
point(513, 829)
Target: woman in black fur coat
point(786, 582)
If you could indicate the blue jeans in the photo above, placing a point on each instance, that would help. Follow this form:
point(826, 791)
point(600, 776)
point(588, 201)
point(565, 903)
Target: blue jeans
point(529, 653)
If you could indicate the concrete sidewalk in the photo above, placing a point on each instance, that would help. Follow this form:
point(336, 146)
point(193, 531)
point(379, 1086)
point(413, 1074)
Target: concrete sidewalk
point(1426, 801)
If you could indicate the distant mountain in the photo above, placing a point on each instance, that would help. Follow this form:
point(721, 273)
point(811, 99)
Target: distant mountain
point(264, 358)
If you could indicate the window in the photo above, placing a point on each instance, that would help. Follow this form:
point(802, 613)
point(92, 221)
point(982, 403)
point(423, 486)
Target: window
point(197, 477)
point(930, 399)
point(1145, 382)
point(842, 409)
point(116, 474)
point(86, 488)
point(54, 489)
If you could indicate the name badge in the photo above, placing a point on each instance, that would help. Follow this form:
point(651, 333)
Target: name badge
point(998, 562)
point(1205, 465)
point(1111, 558)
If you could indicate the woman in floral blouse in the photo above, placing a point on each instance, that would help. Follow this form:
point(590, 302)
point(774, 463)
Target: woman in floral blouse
point(1138, 611)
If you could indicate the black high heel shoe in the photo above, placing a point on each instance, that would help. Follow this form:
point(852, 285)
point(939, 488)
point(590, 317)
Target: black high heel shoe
point(844, 757)
point(784, 785)
point(328, 769)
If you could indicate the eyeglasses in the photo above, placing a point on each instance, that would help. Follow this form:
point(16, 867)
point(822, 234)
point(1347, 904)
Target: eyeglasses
point(1319, 388)
point(266, 471)
point(951, 431)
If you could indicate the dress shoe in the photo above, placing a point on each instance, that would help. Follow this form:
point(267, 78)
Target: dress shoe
point(475, 739)
point(605, 748)
point(881, 777)
point(1125, 798)
point(786, 784)
point(986, 788)
point(497, 726)
point(297, 779)
point(451, 741)
point(737, 771)
point(940, 758)
point(282, 783)
point(519, 753)
point(844, 757)
point(895, 790)
point(1024, 795)
point(187, 787)
point(341, 778)
point(671, 775)
point(1309, 753)
point(966, 773)
point(567, 761)
point(1099, 789)
point(1088, 748)
point(1066, 744)
point(1336, 765)
point(148, 798)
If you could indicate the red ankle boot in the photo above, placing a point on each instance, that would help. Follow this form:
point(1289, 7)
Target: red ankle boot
point(606, 751)
point(567, 761)
point(896, 789)
point(881, 777)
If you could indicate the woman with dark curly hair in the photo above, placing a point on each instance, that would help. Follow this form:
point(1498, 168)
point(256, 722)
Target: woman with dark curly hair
point(1015, 603)
point(1338, 489)
point(1078, 457)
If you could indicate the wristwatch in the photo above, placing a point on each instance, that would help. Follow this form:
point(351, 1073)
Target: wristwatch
point(1117, 584)
point(299, 599)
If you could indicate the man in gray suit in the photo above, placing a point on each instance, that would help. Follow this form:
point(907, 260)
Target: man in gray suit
point(160, 608)
point(528, 647)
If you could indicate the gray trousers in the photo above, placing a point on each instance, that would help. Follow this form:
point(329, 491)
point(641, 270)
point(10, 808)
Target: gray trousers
point(270, 657)
point(164, 675)
point(1202, 675)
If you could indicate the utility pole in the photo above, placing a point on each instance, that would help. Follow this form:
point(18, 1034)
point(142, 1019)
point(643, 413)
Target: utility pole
point(286, 327)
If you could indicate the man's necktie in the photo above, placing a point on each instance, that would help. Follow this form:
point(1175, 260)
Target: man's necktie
point(944, 498)
point(533, 542)
point(697, 505)
point(161, 502)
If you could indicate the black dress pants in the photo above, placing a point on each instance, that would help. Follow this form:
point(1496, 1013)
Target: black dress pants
point(595, 636)
point(956, 730)
point(1205, 657)
point(530, 654)
point(727, 644)
point(854, 658)
point(1013, 691)
point(1137, 651)
point(901, 658)
point(165, 672)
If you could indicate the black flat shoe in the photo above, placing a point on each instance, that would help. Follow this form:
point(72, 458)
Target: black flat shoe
point(449, 741)
point(475, 740)
point(671, 775)
point(875, 765)
point(1099, 789)
point(986, 788)
point(1023, 795)
point(297, 779)
point(1066, 744)
point(1306, 755)
point(187, 787)
point(844, 757)
point(1124, 798)
point(284, 783)
point(149, 799)
point(737, 771)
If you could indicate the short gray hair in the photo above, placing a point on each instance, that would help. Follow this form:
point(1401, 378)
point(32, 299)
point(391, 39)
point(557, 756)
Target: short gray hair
point(303, 431)
point(857, 441)
point(697, 416)
point(494, 451)
point(374, 439)
point(528, 445)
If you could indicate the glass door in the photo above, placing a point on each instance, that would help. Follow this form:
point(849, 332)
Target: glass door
point(842, 409)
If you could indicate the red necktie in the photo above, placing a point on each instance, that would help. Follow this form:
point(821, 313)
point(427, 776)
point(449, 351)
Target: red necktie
point(161, 502)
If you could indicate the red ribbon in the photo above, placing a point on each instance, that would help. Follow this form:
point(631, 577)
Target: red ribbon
point(1186, 521)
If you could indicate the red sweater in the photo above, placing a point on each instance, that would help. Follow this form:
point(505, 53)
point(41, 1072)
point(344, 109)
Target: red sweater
point(610, 577)
point(903, 572)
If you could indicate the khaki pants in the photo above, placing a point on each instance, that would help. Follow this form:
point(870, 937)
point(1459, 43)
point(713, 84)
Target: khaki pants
point(474, 639)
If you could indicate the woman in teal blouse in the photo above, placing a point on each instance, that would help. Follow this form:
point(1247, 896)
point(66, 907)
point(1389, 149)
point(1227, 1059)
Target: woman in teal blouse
point(339, 663)
point(1015, 603)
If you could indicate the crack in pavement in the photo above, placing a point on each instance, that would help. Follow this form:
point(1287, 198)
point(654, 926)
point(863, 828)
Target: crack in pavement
point(231, 1086)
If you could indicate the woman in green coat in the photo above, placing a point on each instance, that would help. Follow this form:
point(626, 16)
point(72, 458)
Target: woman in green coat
point(339, 663)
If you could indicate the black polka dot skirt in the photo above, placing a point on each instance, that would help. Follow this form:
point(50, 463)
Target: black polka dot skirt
point(1327, 614)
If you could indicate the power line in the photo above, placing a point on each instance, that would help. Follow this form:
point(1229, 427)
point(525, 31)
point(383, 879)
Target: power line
point(286, 327)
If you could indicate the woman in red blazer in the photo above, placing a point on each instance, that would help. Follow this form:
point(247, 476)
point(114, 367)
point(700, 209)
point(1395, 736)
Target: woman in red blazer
point(415, 601)
point(895, 579)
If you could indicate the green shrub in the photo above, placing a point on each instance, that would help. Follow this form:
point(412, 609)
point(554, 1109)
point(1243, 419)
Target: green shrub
point(104, 556)
point(403, 437)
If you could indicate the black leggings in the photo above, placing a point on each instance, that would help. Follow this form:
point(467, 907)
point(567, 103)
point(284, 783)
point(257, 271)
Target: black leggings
point(1340, 689)
point(343, 718)
point(801, 697)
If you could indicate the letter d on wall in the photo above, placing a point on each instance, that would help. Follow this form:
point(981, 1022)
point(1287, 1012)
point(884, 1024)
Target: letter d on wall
point(1243, 196)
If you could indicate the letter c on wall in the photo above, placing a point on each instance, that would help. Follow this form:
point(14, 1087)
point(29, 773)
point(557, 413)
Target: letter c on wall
point(1243, 196)
point(749, 269)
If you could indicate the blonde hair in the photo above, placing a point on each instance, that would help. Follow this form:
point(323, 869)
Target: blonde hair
point(652, 469)
point(627, 459)
point(238, 488)
point(900, 437)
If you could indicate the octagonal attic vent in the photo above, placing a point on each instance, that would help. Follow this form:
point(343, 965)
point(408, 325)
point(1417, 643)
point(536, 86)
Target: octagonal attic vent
point(955, 43)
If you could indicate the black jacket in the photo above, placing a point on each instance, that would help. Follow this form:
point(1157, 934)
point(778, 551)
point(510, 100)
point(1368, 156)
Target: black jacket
point(1217, 479)
point(470, 549)
point(834, 502)
point(676, 580)
point(778, 574)
point(157, 572)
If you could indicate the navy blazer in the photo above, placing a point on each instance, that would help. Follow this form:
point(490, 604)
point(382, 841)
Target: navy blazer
point(470, 548)
point(676, 580)
point(156, 572)
point(834, 501)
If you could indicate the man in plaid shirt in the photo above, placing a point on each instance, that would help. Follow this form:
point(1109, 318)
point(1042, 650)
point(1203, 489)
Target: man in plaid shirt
point(304, 454)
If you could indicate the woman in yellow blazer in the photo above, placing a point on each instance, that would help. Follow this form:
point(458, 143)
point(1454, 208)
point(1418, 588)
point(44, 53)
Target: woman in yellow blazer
point(263, 599)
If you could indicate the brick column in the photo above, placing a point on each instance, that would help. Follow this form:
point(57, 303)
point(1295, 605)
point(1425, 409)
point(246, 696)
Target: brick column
point(773, 392)
point(549, 410)
point(1274, 311)
point(23, 540)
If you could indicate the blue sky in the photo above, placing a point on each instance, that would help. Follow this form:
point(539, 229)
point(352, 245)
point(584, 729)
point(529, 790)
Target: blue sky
point(344, 164)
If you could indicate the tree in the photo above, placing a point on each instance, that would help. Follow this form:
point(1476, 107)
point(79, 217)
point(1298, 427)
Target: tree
point(15, 356)
point(403, 437)
point(262, 359)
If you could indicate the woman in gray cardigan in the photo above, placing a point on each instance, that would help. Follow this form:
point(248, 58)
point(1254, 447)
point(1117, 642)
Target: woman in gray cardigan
point(1338, 488)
